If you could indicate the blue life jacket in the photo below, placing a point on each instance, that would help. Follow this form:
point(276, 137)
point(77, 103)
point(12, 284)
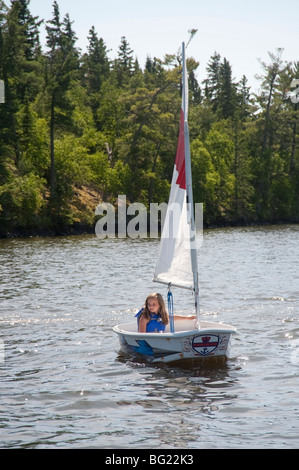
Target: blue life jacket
point(154, 325)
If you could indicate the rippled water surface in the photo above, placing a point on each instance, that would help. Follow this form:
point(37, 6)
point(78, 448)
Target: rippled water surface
point(64, 383)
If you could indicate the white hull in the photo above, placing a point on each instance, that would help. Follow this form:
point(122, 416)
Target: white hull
point(210, 340)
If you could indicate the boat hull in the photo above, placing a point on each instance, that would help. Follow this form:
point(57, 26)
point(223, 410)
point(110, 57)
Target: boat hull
point(187, 343)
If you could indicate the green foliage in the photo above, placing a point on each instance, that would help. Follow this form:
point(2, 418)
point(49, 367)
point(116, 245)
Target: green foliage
point(21, 201)
point(213, 178)
point(79, 128)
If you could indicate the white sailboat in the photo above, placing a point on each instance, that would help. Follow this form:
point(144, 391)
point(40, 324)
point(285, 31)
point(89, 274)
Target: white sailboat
point(177, 267)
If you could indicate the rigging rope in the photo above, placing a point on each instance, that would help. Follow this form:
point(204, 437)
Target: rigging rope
point(170, 309)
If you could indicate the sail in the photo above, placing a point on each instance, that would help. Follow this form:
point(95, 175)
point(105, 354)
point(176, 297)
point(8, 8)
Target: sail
point(175, 264)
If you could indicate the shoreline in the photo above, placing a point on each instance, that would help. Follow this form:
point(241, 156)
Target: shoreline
point(83, 229)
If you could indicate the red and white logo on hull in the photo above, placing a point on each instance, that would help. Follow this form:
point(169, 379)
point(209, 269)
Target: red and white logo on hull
point(205, 344)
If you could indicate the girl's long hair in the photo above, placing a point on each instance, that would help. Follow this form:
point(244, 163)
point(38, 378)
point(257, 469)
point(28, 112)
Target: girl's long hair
point(162, 309)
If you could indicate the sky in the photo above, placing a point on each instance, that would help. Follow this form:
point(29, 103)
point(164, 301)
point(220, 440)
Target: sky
point(242, 32)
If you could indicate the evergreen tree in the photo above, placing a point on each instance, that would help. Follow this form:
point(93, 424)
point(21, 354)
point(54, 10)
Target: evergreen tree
point(96, 70)
point(96, 65)
point(226, 91)
point(124, 64)
point(243, 98)
point(148, 143)
point(220, 90)
point(154, 73)
point(21, 68)
point(32, 25)
point(12, 64)
point(211, 83)
point(62, 66)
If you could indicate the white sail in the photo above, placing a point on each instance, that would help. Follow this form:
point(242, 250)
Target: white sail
point(177, 264)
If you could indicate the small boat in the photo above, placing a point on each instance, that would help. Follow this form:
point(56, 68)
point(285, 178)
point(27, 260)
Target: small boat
point(185, 339)
point(187, 343)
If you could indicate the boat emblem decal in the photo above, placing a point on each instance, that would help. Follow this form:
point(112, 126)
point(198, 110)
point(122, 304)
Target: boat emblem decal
point(205, 344)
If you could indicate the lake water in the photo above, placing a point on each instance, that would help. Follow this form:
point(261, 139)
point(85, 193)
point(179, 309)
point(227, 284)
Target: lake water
point(64, 383)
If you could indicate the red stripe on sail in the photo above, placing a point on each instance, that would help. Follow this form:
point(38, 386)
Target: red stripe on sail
point(180, 156)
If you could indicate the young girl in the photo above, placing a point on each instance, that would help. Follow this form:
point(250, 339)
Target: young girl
point(153, 317)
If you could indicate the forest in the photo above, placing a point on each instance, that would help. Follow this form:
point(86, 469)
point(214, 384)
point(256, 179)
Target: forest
point(80, 128)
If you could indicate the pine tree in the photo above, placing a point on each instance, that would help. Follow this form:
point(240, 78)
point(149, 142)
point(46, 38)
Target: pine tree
point(96, 70)
point(62, 66)
point(220, 90)
point(211, 83)
point(96, 63)
point(243, 97)
point(21, 67)
point(32, 25)
point(226, 105)
point(124, 64)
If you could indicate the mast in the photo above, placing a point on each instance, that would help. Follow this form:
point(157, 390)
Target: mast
point(189, 190)
point(177, 258)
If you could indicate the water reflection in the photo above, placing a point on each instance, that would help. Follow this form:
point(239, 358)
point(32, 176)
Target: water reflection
point(183, 382)
point(180, 395)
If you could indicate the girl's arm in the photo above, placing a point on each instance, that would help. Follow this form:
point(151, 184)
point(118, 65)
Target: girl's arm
point(184, 317)
point(142, 324)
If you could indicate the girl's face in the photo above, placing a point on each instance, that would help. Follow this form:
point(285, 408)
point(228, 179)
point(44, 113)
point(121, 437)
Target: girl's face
point(153, 305)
